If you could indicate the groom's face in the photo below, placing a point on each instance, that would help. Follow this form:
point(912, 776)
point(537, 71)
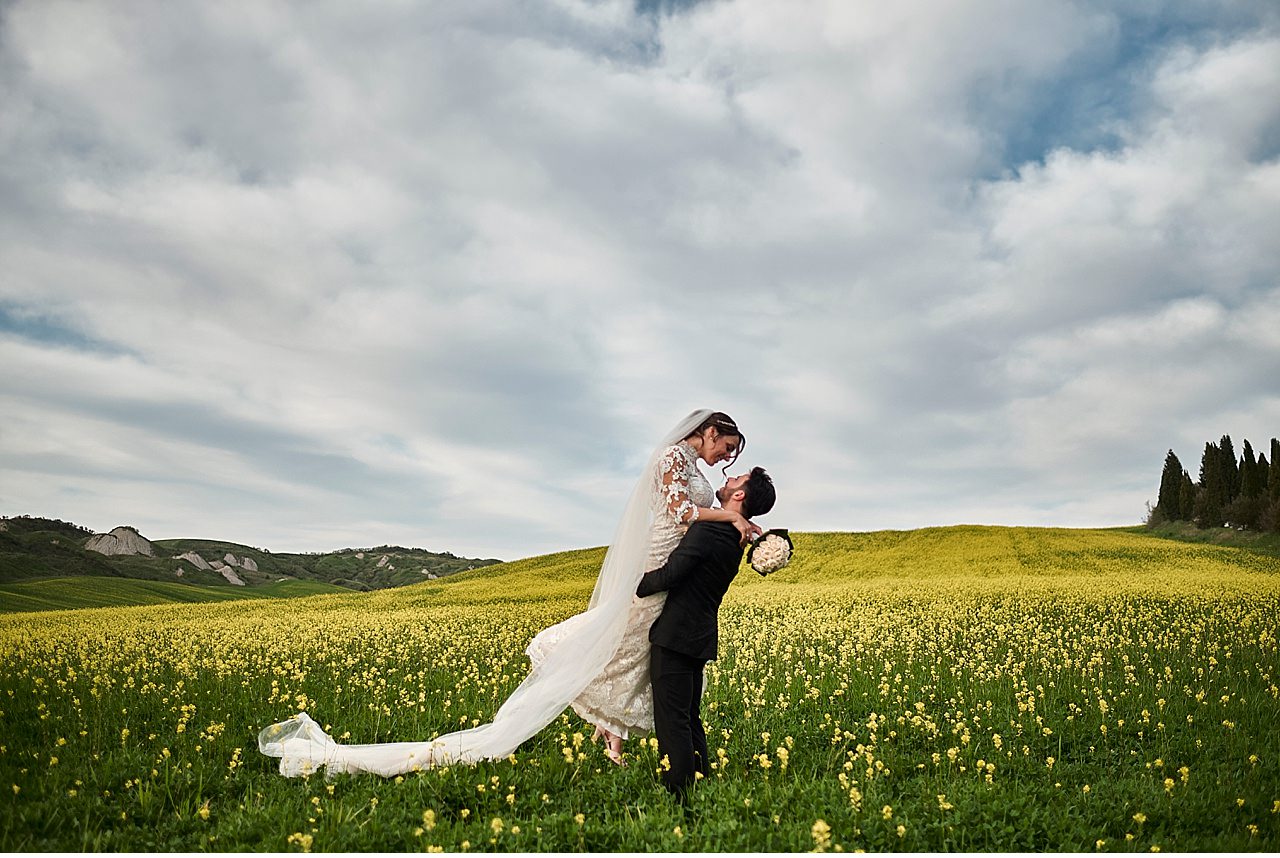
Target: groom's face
point(730, 486)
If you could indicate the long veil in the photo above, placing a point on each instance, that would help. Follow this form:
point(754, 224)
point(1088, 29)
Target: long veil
point(579, 655)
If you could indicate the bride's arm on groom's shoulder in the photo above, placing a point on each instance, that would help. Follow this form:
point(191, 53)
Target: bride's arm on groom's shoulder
point(674, 469)
point(682, 562)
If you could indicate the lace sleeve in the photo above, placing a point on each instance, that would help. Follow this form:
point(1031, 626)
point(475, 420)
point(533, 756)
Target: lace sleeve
point(673, 471)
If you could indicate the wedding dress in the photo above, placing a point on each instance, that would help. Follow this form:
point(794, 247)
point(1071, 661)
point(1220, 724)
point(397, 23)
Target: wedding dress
point(620, 699)
point(567, 659)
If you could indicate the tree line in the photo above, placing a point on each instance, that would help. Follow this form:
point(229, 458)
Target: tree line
point(1243, 492)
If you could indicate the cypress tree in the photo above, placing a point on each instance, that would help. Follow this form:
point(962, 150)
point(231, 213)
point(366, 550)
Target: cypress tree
point(1187, 497)
point(1264, 475)
point(1247, 509)
point(1249, 487)
point(1168, 504)
point(1273, 479)
point(1209, 502)
point(1230, 471)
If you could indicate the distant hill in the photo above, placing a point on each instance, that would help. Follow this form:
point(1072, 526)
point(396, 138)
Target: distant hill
point(34, 549)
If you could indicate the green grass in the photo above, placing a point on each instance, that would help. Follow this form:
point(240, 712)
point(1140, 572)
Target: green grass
point(54, 594)
point(1182, 531)
point(986, 689)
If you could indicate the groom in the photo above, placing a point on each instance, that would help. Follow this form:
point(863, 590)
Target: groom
point(684, 637)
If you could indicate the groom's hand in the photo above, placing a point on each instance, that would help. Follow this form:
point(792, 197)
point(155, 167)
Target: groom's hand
point(747, 530)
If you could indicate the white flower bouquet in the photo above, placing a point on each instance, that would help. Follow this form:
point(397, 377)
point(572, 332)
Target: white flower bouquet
point(770, 551)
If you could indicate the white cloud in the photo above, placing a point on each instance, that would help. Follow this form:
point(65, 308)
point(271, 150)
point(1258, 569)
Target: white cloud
point(441, 275)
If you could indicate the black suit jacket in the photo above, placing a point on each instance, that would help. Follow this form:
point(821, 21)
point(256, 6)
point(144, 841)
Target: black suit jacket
point(697, 574)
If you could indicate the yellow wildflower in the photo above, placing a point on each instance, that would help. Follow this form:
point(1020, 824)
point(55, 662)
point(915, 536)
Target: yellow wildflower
point(821, 833)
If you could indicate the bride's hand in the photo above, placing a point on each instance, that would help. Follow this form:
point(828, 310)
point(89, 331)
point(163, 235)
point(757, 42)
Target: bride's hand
point(747, 531)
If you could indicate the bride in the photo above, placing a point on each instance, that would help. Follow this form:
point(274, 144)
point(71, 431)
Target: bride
point(596, 661)
point(619, 699)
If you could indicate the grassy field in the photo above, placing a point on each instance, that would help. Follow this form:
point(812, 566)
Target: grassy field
point(53, 594)
point(948, 689)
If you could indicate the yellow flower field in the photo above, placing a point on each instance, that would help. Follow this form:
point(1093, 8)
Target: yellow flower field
point(952, 688)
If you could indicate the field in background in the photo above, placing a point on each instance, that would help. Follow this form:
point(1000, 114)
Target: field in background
point(54, 594)
point(954, 688)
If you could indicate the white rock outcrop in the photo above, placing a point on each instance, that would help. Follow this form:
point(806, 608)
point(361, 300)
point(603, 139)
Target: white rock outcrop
point(195, 560)
point(121, 540)
point(383, 560)
point(243, 562)
point(231, 576)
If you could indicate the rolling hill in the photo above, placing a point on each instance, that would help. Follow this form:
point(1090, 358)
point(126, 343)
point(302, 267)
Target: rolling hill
point(47, 561)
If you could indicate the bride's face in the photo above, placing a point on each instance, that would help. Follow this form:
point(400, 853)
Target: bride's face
point(718, 448)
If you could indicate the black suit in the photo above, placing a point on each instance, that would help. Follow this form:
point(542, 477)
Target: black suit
point(684, 638)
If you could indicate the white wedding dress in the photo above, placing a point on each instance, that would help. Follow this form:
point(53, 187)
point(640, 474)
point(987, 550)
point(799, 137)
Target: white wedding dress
point(620, 698)
point(572, 663)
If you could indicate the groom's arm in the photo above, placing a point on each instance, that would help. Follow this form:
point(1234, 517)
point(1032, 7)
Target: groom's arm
point(687, 557)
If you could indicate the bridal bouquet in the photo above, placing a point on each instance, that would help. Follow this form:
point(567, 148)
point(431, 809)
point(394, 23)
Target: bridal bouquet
point(770, 551)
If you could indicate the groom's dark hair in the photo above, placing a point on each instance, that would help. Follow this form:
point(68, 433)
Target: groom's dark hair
point(760, 494)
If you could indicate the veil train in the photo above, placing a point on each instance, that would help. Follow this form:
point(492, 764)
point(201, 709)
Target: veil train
point(580, 654)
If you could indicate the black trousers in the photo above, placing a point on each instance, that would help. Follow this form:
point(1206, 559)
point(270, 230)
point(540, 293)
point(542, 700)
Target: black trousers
point(677, 719)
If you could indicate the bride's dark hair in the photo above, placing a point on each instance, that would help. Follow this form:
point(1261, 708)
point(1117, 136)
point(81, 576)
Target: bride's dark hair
point(725, 425)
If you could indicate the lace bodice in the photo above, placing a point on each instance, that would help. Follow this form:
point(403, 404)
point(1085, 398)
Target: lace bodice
point(679, 490)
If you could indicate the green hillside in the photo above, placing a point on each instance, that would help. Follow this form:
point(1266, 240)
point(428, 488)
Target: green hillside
point(38, 548)
point(34, 548)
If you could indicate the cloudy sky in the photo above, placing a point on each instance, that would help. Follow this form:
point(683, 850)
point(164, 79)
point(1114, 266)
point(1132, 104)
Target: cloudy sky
point(315, 275)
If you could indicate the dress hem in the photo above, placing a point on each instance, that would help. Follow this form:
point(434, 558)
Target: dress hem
point(604, 722)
